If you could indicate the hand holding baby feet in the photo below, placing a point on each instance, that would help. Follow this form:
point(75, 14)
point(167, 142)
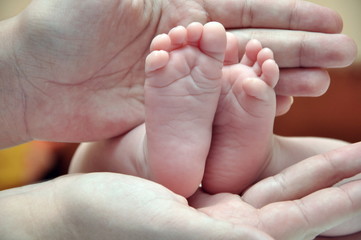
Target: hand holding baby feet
point(197, 92)
point(243, 125)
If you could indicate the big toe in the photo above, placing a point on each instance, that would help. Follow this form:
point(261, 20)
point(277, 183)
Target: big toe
point(213, 41)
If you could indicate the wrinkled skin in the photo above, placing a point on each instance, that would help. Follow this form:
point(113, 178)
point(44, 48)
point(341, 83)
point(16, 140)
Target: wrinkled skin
point(80, 65)
point(81, 71)
point(274, 206)
point(108, 206)
point(300, 202)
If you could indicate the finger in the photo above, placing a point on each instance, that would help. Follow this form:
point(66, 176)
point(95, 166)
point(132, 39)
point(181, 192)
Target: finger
point(303, 49)
point(284, 104)
point(303, 82)
point(313, 214)
point(284, 14)
point(305, 177)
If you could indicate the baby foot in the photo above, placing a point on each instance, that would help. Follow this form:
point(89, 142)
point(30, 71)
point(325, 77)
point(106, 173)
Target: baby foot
point(182, 90)
point(243, 126)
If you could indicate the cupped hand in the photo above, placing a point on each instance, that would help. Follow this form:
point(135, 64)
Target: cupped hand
point(300, 219)
point(299, 203)
point(81, 64)
point(112, 206)
point(108, 205)
point(318, 174)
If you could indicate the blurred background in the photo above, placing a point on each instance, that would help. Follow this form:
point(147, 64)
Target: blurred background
point(337, 114)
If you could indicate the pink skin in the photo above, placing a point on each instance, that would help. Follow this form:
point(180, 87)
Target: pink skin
point(198, 95)
point(194, 85)
point(243, 125)
point(182, 90)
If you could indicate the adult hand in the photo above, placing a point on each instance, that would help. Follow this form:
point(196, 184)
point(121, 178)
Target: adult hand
point(80, 65)
point(108, 206)
point(300, 219)
point(299, 203)
point(311, 175)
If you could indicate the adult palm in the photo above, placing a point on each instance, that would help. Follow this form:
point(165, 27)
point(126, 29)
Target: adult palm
point(301, 219)
point(108, 206)
point(81, 63)
point(300, 202)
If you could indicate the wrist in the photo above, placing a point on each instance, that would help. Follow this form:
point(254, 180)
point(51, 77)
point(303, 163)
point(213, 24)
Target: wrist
point(12, 102)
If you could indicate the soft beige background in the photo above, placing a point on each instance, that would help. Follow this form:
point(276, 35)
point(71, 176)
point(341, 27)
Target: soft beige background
point(9, 8)
point(350, 11)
